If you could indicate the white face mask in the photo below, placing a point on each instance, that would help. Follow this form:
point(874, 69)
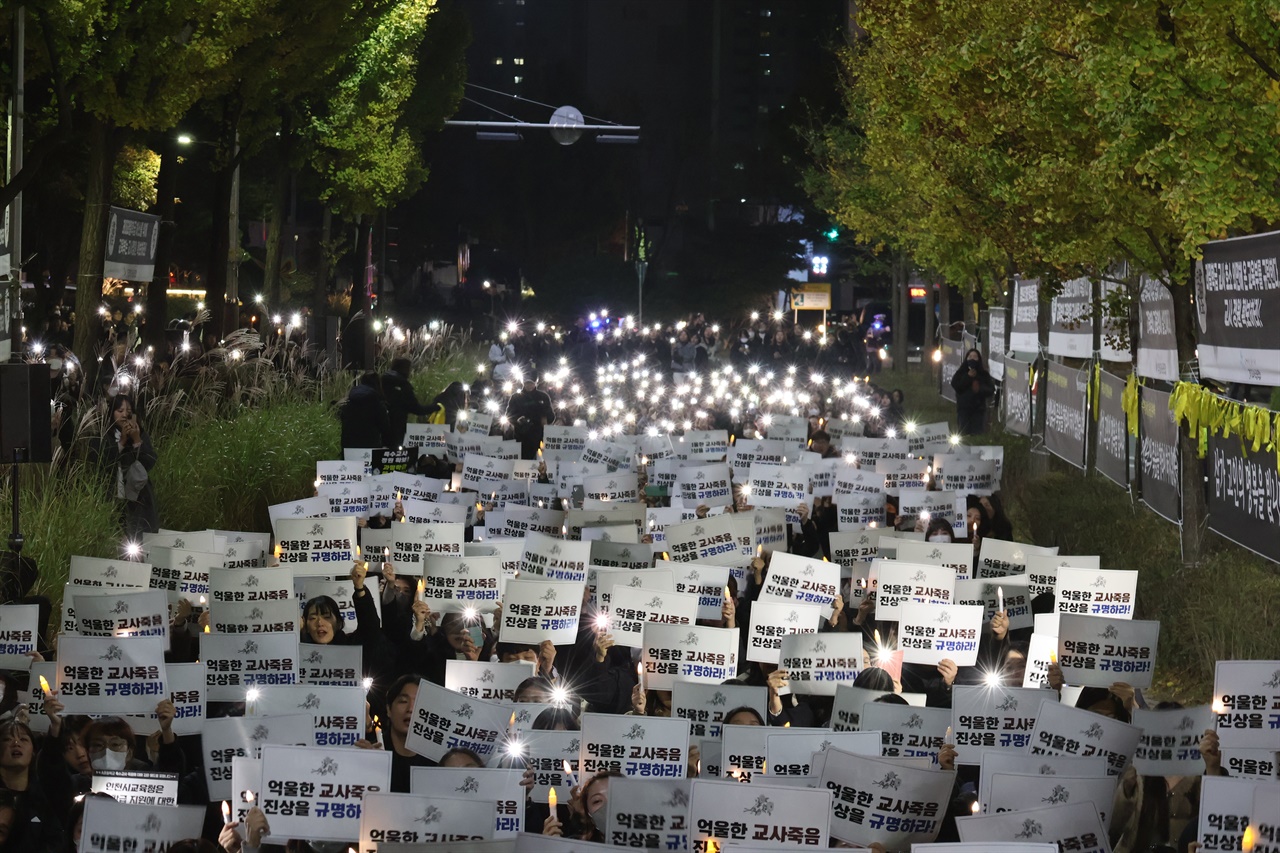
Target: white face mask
point(111, 760)
point(940, 537)
point(55, 364)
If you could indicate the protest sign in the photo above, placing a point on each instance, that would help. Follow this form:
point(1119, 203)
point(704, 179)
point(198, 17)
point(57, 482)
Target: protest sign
point(568, 441)
point(966, 476)
point(647, 747)
point(879, 801)
point(409, 487)
point(1067, 826)
point(704, 540)
point(996, 761)
point(704, 705)
point(868, 452)
point(706, 582)
point(250, 586)
point(1023, 333)
point(902, 474)
point(331, 472)
point(119, 675)
point(1170, 744)
point(703, 445)
point(135, 787)
point(772, 816)
point(957, 556)
point(631, 608)
point(989, 594)
point(19, 625)
point(236, 663)
point(477, 469)
point(1042, 569)
point(225, 739)
point(846, 711)
point(98, 572)
point(692, 653)
point(343, 594)
point(907, 732)
point(330, 665)
point(800, 752)
point(522, 520)
point(534, 611)
point(1224, 812)
point(109, 826)
point(185, 682)
point(1258, 764)
point(346, 499)
point(1237, 302)
point(999, 558)
point(854, 546)
point(897, 582)
point(621, 555)
point(1241, 478)
point(986, 847)
point(318, 794)
point(1096, 592)
point(124, 614)
point(338, 713)
point(1064, 432)
point(744, 752)
point(443, 720)
point(612, 487)
point(1016, 389)
point(1041, 651)
point(601, 583)
point(296, 511)
point(648, 813)
point(932, 633)
point(545, 754)
point(1013, 792)
point(494, 785)
point(317, 546)
point(407, 545)
point(482, 679)
point(704, 485)
point(819, 663)
point(555, 559)
point(452, 584)
point(801, 580)
point(33, 697)
point(1266, 818)
point(1063, 730)
point(1246, 703)
point(1098, 651)
point(1159, 465)
point(773, 620)
point(1113, 435)
point(779, 485)
point(1003, 718)
point(923, 439)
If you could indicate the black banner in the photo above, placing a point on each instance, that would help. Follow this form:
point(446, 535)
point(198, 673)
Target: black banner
point(952, 358)
point(1157, 344)
point(996, 332)
point(1244, 496)
point(1065, 412)
point(1238, 309)
point(1024, 332)
point(388, 461)
point(1017, 396)
point(131, 245)
point(1158, 455)
point(1113, 437)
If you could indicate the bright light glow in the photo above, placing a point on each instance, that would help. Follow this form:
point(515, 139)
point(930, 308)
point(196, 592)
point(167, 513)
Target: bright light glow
point(368, 683)
point(937, 356)
point(252, 694)
point(559, 695)
point(910, 427)
point(955, 439)
point(469, 613)
point(259, 299)
point(132, 549)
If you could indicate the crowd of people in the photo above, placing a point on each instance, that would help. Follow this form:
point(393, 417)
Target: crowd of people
point(622, 384)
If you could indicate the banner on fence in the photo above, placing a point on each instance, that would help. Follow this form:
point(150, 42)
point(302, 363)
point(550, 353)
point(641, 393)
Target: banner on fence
point(1238, 309)
point(1065, 413)
point(1159, 468)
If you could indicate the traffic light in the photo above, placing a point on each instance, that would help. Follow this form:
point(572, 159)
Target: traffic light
point(832, 234)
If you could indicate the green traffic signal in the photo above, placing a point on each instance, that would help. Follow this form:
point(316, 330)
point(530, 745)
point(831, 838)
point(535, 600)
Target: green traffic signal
point(831, 234)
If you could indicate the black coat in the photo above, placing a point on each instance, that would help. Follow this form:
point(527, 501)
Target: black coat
point(140, 516)
point(401, 403)
point(365, 422)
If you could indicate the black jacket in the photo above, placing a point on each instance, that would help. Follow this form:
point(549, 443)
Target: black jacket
point(365, 422)
point(401, 403)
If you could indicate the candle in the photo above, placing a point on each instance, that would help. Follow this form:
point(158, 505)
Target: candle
point(1000, 599)
point(569, 774)
point(248, 796)
point(207, 630)
point(512, 722)
point(226, 812)
point(1053, 657)
point(44, 685)
point(551, 800)
point(727, 596)
point(377, 729)
point(640, 674)
point(386, 554)
point(421, 588)
point(946, 738)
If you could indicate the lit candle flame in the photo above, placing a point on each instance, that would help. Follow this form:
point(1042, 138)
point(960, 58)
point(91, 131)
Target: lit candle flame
point(248, 796)
point(552, 799)
point(226, 812)
point(1249, 839)
point(44, 685)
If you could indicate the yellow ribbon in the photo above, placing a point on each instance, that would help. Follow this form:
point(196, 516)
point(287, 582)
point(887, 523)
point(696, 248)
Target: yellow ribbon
point(1207, 413)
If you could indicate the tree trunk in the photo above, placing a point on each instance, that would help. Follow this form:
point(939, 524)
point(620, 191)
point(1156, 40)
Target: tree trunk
point(901, 306)
point(1194, 504)
point(355, 335)
point(97, 200)
point(158, 290)
point(276, 219)
point(968, 295)
point(1039, 455)
point(944, 308)
point(320, 287)
point(1090, 422)
point(215, 288)
point(930, 331)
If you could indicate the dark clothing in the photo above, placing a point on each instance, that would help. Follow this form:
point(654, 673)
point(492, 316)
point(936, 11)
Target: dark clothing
point(452, 402)
point(365, 422)
point(138, 514)
point(401, 403)
point(972, 393)
point(529, 412)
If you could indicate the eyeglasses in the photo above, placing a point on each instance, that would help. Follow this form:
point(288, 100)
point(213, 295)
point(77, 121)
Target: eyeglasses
point(115, 744)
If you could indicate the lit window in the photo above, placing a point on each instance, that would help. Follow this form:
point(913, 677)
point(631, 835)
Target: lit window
point(497, 60)
point(519, 79)
point(519, 60)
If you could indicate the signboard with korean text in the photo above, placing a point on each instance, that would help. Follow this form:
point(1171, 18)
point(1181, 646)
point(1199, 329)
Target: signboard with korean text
point(879, 801)
point(318, 794)
point(1067, 826)
point(118, 675)
point(443, 720)
point(693, 653)
point(494, 785)
point(1170, 744)
point(1098, 651)
point(235, 663)
point(768, 816)
point(773, 620)
point(487, 680)
point(1097, 592)
point(1002, 718)
point(705, 705)
point(1063, 730)
point(646, 747)
point(1246, 703)
point(541, 610)
point(110, 826)
point(817, 664)
point(906, 731)
point(932, 633)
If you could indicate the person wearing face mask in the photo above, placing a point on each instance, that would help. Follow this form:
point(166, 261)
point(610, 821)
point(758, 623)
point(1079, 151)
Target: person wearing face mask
point(939, 530)
point(587, 814)
point(974, 387)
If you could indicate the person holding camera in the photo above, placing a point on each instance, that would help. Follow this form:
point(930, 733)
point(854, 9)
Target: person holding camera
point(126, 455)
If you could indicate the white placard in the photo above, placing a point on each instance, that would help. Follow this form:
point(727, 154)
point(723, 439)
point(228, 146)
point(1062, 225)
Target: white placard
point(985, 847)
point(1097, 592)
point(296, 510)
point(1042, 569)
point(1041, 651)
point(703, 445)
point(95, 571)
point(346, 499)
point(186, 688)
point(1012, 792)
point(999, 557)
point(482, 679)
point(705, 581)
point(647, 747)
point(124, 614)
point(932, 633)
point(250, 585)
point(704, 540)
point(907, 732)
point(1063, 730)
point(254, 617)
point(801, 580)
point(443, 720)
point(601, 583)
point(988, 593)
point(235, 663)
point(956, 555)
point(744, 751)
point(994, 761)
point(773, 620)
point(338, 713)
point(1246, 703)
point(705, 705)
point(611, 487)
point(136, 788)
point(771, 816)
point(631, 608)
point(555, 559)
point(1262, 765)
point(225, 739)
point(1098, 651)
point(1225, 804)
point(994, 718)
point(331, 471)
point(457, 583)
point(450, 508)
point(902, 474)
point(817, 664)
point(1266, 818)
point(537, 610)
point(318, 793)
point(854, 546)
point(799, 752)
point(1071, 826)
point(704, 485)
point(785, 486)
point(523, 520)
point(110, 827)
point(648, 813)
point(545, 753)
point(19, 627)
point(846, 711)
point(874, 800)
point(330, 665)
point(487, 784)
point(693, 653)
point(478, 470)
point(120, 675)
point(317, 546)
point(897, 582)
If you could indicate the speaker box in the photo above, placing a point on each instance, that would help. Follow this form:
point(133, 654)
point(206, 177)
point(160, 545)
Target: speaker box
point(25, 414)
